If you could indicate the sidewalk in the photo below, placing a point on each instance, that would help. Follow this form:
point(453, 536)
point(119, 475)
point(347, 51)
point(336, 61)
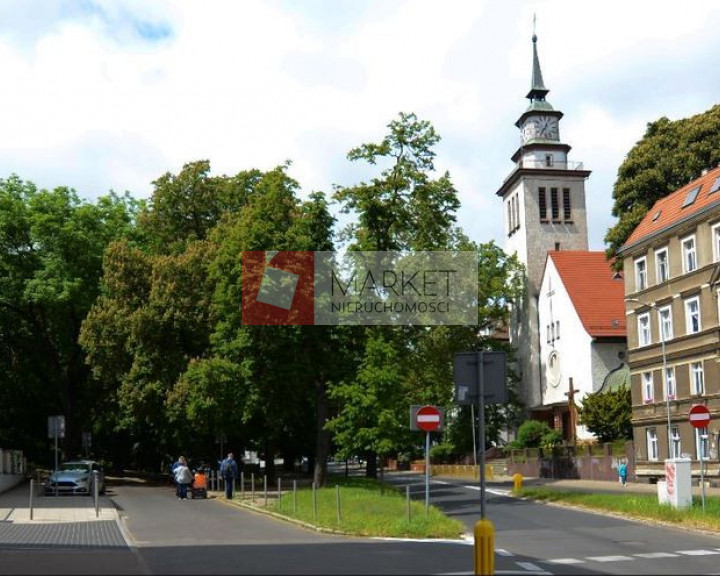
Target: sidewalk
point(15, 507)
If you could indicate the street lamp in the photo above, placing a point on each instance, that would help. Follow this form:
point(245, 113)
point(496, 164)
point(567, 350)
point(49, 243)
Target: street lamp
point(664, 368)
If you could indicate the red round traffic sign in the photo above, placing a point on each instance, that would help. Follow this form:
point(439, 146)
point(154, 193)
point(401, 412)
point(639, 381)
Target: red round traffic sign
point(699, 416)
point(428, 418)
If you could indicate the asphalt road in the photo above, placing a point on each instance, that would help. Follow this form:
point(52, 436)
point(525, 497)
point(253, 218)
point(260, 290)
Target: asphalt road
point(560, 540)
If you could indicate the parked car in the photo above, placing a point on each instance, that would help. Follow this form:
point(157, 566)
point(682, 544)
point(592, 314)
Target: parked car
point(76, 477)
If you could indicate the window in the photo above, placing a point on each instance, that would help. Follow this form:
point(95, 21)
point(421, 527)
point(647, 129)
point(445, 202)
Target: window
point(509, 217)
point(697, 378)
point(548, 334)
point(644, 330)
point(567, 215)
point(640, 274)
point(676, 445)
point(557, 329)
point(652, 444)
point(671, 389)
point(701, 443)
point(665, 321)
point(689, 256)
point(662, 267)
point(542, 203)
point(692, 315)
point(716, 242)
point(691, 196)
point(554, 203)
point(716, 186)
point(549, 160)
point(647, 386)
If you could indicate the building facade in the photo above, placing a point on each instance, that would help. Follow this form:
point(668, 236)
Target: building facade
point(672, 287)
point(544, 209)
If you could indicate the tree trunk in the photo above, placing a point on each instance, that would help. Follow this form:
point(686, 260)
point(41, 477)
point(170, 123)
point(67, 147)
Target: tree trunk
point(370, 464)
point(322, 440)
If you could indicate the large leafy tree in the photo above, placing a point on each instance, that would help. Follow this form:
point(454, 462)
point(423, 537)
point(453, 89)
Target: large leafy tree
point(407, 207)
point(51, 248)
point(670, 154)
point(608, 414)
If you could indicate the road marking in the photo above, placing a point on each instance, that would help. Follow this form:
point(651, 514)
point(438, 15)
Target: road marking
point(566, 561)
point(609, 558)
point(651, 555)
point(698, 552)
point(532, 567)
point(503, 552)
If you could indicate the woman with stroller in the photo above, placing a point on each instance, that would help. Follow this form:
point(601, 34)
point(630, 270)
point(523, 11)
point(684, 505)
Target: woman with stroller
point(183, 478)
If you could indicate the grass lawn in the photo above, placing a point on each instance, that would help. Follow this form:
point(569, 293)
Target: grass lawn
point(643, 506)
point(365, 510)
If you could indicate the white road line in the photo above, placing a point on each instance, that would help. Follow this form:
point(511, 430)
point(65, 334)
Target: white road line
point(698, 552)
point(609, 558)
point(532, 567)
point(651, 555)
point(566, 561)
point(503, 552)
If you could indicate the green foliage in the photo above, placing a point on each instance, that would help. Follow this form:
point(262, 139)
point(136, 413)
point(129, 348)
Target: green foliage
point(670, 154)
point(608, 414)
point(535, 434)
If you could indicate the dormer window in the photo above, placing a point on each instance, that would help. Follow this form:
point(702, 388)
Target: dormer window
point(691, 196)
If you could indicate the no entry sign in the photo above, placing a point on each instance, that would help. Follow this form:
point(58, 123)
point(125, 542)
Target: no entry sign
point(428, 418)
point(699, 416)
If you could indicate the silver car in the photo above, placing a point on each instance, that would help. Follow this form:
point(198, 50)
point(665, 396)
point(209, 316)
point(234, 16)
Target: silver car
point(76, 477)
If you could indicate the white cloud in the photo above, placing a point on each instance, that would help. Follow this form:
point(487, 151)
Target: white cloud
point(110, 94)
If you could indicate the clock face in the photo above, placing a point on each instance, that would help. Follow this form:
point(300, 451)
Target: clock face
point(530, 129)
point(553, 368)
point(548, 127)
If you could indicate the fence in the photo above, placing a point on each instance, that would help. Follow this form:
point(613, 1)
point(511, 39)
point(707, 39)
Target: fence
point(590, 462)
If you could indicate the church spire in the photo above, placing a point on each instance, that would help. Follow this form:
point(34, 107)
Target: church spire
point(537, 90)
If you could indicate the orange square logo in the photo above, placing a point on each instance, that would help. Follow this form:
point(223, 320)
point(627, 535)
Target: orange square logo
point(278, 288)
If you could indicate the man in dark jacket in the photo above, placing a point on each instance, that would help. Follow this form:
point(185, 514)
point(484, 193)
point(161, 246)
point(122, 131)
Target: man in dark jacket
point(229, 472)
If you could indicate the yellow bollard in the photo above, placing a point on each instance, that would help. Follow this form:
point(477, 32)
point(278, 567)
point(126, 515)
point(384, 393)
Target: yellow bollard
point(484, 547)
point(517, 482)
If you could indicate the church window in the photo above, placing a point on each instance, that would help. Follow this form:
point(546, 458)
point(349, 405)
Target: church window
point(557, 329)
point(542, 203)
point(566, 204)
point(554, 203)
point(549, 160)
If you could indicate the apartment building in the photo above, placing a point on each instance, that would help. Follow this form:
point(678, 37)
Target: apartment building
point(672, 305)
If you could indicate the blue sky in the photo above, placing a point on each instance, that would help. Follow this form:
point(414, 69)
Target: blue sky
point(110, 94)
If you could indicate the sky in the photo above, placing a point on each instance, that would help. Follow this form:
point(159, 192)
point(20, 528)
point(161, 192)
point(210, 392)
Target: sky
point(103, 95)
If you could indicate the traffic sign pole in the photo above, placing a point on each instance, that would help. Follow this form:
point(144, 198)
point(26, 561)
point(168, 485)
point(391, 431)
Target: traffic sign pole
point(700, 418)
point(427, 472)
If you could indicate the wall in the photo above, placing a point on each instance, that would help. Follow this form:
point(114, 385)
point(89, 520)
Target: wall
point(582, 463)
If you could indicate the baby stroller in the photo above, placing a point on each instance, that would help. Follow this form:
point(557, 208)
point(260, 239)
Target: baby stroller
point(199, 485)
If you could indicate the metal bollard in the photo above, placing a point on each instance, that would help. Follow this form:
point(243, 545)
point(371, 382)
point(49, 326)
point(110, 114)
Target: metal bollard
point(337, 492)
point(242, 485)
point(517, 482)
point(265, 489)
point(484, 547)
point(252, 488)
point(295, 497)
point(95, 493)
point(279, 494)
point(314, 500)
point(32, 489)
point(407, 501)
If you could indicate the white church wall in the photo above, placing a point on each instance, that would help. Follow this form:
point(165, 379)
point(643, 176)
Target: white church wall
point(573, 346)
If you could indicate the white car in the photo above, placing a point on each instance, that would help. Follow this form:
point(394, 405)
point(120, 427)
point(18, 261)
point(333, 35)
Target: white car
point(76, 477)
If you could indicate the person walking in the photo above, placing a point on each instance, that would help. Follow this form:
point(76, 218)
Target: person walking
point(622, 473)
point(183, 478)
point(229, 472)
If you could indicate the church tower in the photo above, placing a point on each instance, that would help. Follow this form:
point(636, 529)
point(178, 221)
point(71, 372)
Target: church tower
point(544, 209)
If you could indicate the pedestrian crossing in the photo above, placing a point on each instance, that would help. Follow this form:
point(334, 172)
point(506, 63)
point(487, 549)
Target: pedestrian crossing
point(541, 566)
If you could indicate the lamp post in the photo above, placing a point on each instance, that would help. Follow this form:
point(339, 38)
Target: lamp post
point(664, 368)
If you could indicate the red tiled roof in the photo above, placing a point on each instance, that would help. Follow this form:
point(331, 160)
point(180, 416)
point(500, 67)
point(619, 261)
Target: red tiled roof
point(598, 298)
point(670, 207)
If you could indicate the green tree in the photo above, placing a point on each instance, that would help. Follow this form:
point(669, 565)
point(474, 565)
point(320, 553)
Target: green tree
point(670, 154)
point(608, 414)
point(51, 247)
